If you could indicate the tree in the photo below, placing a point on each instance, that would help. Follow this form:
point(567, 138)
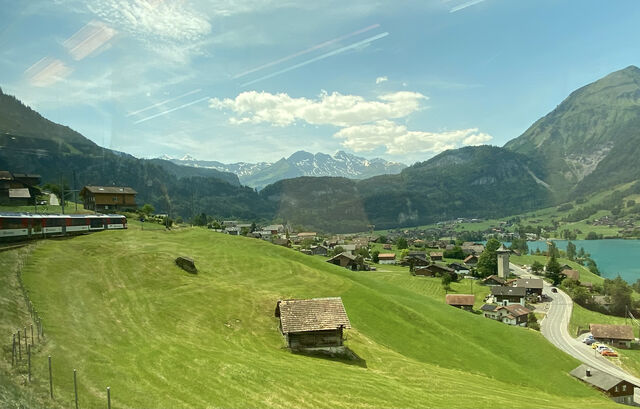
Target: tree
point(593, 236)
point(631, 203)
point(571, 251)
point(404, 253)
point(254, 227)
point(536, 267)
point(147, 209)
point(374, 256)
point(199, 220)
point(382, 239)
point(591, 265)
point(401, 243)
point(620, 293)
point(532, 321)
point(446, 281)
point(336, 250)
point(554, 269)
point(488, 260)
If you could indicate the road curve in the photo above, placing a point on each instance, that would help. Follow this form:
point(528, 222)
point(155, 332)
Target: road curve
point(555, 327)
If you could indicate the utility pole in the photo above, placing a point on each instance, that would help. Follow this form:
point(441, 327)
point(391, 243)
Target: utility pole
point(62, 195)
point(75, 191)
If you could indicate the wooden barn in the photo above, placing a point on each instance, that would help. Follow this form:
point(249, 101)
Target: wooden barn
point(106, 198)
point(313, 323)
point(462, 301)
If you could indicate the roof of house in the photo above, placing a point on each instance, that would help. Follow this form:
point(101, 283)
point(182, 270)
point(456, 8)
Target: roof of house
point(515, 291)
point(572, 274)
point(489, 307)
point(586, 284)
point(612, 331)
point(516, 310)
point(343, 254)
point(440, 267)
point(314, 314)
point(470, 257)
point(5, 175)
point(22, 193)
point(387, 255)
point(436, 254)
point(307, 234)
point(110, 189)
point(494, 278)
point(535, 283)
point(599, 379)
point(460, 299)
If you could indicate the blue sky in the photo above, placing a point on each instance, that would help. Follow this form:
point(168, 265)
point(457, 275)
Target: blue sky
point(248, 80)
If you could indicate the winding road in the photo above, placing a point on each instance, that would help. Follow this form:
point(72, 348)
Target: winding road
point(555, 327)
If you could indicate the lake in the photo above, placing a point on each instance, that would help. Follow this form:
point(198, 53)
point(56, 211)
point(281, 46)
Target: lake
point(613, 257)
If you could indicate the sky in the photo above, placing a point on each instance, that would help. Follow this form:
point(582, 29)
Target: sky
point(253, 81)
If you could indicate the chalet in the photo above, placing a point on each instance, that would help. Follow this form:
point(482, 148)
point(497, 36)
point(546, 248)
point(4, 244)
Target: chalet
point(436, 255)
point(471, 260)
point(437, 269)
point(423, 271)
point(274, 228)
point(514, 314)
point(618, 390)
point(572, 274)
point(462, 301)
point(459, 268)
point(319, 250)
point(508, 295)
point(532, 285)
point(387, 258)
point(345, 260)
point(419, 259)
point(316, 323)
point(493, 280)
point(234, 231)
point(472, 248)
point(18, 189)
point(616, 335)
point(107, 198)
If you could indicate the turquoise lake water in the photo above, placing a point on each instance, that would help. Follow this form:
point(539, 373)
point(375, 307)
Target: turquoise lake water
point(613, 257)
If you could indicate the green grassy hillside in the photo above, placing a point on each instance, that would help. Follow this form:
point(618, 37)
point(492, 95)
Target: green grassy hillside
point(117, 308)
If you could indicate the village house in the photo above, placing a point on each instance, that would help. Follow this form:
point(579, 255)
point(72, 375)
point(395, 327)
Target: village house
point(360, 242)
point(18, 189)
point(615, 335)
point(462, 301)
point(281, 241)
point(616, 389)
point(107, 198)
point(471, 260)
point(234, 231)
point(311, 324)
point(415, 258)
point(459, 268)
point(319, 250)
point(472, 248)
point(513, 314)
point(508, 295)
point(436, 270)
point(387, 258)
point(274, 228)
point(572, 274)
point(493, 280)
point(436, 255)
point(533, 286)
point(603, 301)
point(349, 248)
point(345, 260)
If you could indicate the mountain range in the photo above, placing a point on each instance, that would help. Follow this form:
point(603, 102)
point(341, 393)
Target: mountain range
point(301, 163)
point(588, 144)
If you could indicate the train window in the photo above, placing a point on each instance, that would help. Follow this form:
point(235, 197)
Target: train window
point(55, 221)
point(14, 223)
point(97, 223)
point(78, 221)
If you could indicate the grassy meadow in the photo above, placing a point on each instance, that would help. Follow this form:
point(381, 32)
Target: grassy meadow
point(117, 308)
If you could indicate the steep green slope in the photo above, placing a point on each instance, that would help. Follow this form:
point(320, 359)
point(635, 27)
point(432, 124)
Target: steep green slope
point(117, 308)
point(591, 141)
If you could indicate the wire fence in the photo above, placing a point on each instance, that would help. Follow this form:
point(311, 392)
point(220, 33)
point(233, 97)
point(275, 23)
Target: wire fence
point(28, 340)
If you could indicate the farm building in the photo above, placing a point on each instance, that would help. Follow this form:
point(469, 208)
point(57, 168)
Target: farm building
point(423, 271)
point(617, 389)
point(319, 250)
point(436, 255)
point(101, 198)
point(493, 280)
point(572, 274)
point(513, 314)
point(471, 260)
point(345, 260)
point(18, 188)
point(616, 335)
point(462, 301)
point(387, 258)
point(472, 248)
point(436, 269)
point(508, 295)
point(532, 285)
point(316, 323)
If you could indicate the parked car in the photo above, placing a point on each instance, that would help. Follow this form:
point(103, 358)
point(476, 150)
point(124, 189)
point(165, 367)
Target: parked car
point(554, 290)
point(589, 341)
point(601, 348)
point(609, 352)
point(595, 345)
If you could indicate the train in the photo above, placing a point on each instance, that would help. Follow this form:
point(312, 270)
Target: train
point(22, 226)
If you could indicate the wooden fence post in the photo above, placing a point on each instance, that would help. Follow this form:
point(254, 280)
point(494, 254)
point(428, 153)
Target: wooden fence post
point(50, 378)
point(26, 337)
point(75, 387)
point(13, 350)
point(19, 347)
point(29, 360)
point(108, 397)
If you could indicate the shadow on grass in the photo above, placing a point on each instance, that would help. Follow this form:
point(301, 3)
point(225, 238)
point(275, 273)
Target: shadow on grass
point(344, 355)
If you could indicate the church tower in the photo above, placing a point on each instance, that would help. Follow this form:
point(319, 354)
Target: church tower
point(503, 262)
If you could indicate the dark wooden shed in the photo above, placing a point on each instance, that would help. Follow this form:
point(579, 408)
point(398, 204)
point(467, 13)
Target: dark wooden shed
point(313, 323)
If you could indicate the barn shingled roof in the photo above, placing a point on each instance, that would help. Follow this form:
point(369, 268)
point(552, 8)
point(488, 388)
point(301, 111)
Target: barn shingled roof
point(612, 331)
point(460, 299)
point(313, 314)
point(110, 189)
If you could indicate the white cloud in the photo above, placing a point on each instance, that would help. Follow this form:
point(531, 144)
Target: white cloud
point(329, 109)
point(397, 139)
point(380, 80)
